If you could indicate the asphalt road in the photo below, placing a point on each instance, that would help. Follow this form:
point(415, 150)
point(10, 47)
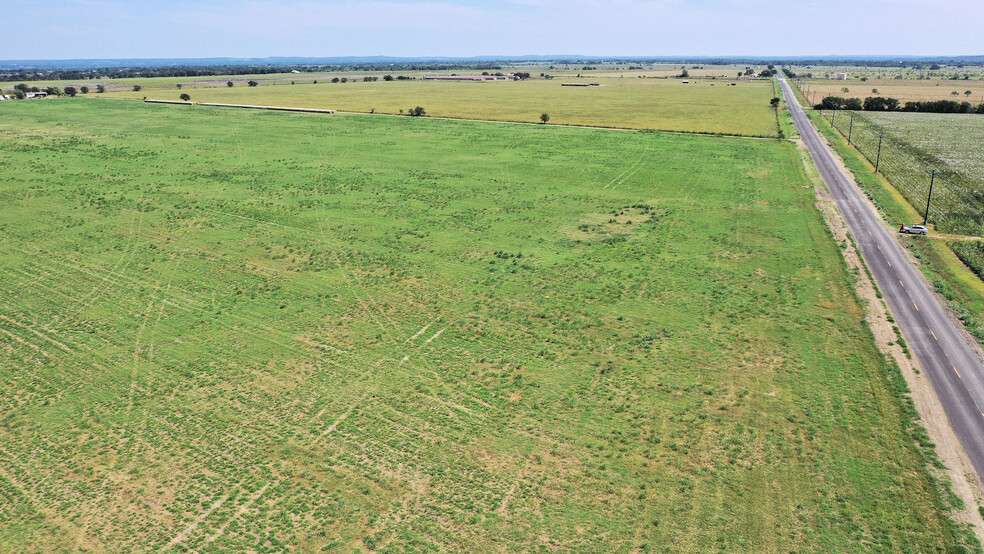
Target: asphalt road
point(952, 367)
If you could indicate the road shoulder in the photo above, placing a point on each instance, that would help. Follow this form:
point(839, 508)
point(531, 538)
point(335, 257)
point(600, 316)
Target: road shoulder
point(958, 473)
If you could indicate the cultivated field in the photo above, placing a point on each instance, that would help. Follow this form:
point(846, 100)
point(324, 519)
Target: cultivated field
point(665, 104)
point(240, 330)
point(903, 90)
point(914, 144)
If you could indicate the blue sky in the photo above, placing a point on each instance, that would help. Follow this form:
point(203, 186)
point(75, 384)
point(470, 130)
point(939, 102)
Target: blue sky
point(59, 29)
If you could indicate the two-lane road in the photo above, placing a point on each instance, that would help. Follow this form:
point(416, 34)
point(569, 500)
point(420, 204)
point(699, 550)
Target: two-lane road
point(955, 372)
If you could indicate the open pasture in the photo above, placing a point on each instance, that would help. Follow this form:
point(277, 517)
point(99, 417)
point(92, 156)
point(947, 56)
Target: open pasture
point(238, 330)
point(631, 103)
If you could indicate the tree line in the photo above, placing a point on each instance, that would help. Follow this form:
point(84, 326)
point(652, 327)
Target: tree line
point(883, 104)
point(213, 70)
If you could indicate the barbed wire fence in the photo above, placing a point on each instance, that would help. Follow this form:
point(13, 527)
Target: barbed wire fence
point(958, 201)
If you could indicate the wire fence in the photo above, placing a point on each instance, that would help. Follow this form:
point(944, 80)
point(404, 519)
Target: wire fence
point(912, 145)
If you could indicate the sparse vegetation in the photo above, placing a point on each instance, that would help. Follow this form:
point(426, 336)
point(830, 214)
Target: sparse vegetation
point(236, 333)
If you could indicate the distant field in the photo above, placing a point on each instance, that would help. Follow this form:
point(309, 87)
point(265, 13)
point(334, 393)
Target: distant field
point(633, 103)
point(535, 69)
point(241, 330)
point(925, 74)
point(916, 143)
point(904, 90)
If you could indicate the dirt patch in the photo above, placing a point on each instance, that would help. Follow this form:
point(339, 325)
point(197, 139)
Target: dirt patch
point(959, 471)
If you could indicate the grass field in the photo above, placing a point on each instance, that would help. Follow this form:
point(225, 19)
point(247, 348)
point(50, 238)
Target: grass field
point(251, 330)
point(903, 90)
point(632, 103)
point(602, 70)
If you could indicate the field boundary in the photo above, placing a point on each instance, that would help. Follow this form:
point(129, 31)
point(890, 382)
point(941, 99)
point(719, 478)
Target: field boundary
point(592, 127)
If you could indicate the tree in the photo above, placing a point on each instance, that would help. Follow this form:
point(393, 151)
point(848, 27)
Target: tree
point(53, 91)
point(774, 102)
point(853, 104)
point(229, 84)
point(71, 92)
point(84, 90)
point(544, 118)
point(684, 74)
point(387, 77)
point(179, 85)
point(136, 88)
point(335, 80)
point(418, 112)
point(100, 89)
point(252, 83)
point(968, 93)
point(185, 96)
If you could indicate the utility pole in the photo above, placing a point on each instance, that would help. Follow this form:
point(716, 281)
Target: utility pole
point(930, 198)
point(832, 117)
point(850, 131)
point(878, 157)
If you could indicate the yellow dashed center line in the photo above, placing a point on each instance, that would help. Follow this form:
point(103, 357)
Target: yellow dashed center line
point(901, 283)
point(957, 372)
point(890, 265)
point(917, 307)
point(934, 336)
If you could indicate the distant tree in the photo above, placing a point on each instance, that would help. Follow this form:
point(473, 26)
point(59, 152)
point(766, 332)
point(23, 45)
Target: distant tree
point(100, 89)
point(684, 74)
point(71, 92)
point(880, 104)
point(387, 77)
point(874, 91)
point(136, 88)
point(252, 83)
point(84, 90)
point(544, 118)
point(864, 79)
point(179, 86)
point(417, 112)
point(344, 79)
point(185, 96)
point(229, 84)
point(335, 80)
point(968, 92)
point(845, 89)
point(21, 87)
point(20, 94)
point(955, 93)
point(774, 102)
point(853, 104)
point(53, 91)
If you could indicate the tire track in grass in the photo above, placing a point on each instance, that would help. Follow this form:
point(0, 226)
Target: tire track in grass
point(183, 535)
point(240, 512)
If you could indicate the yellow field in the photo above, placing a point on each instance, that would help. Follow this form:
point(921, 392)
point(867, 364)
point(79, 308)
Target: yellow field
point(904, 90)
point(701, 106)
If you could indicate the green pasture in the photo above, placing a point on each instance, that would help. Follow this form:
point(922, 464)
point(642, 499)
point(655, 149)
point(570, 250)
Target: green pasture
point(665, 104)
point(243, 330)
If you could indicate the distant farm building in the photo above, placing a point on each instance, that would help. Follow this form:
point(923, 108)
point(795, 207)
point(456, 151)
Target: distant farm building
point(36, 94)
point(469, 77)
point(580, 84)
point(841, 77)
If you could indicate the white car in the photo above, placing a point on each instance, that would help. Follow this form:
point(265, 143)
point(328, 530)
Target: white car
point(914, 230)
